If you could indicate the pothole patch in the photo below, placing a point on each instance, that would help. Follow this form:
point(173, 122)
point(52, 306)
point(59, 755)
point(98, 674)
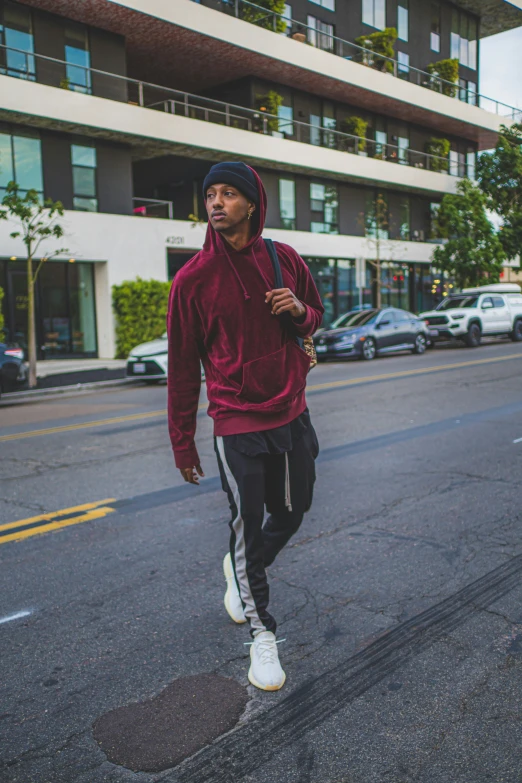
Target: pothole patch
point(157, 734)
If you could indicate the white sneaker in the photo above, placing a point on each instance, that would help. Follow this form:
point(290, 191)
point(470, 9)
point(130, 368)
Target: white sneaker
point(233, 603)
point(265, 670)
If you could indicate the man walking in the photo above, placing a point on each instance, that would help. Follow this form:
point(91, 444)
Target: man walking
point(226, 311)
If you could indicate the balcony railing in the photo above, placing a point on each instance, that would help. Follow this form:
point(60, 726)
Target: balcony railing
point(153, 207)
point(285, 25)
point(197, 107)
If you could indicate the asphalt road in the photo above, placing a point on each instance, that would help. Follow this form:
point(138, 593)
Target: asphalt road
point(400, 598)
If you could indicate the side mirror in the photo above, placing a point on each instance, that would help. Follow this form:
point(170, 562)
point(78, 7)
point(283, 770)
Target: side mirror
point(487, 306)
point(384, 323)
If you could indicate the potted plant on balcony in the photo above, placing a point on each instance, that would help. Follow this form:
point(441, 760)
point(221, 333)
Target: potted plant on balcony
point(448, 71)
point(269, 103)
point(272, 21)
point(440, 148)
point(379, 48)
point(358, 127)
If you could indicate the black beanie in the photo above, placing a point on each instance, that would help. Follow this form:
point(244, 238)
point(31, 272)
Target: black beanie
point(236, 174)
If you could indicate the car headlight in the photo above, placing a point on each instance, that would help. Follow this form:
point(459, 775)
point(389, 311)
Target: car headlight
point(457, 317)
point(349, 339)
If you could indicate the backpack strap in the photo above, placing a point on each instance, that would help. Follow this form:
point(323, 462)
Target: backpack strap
point(278, 277)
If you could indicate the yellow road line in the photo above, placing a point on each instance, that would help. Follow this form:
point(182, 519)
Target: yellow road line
point(406, 373)
point(52, 515)
point(316, 387)
point(98, 513)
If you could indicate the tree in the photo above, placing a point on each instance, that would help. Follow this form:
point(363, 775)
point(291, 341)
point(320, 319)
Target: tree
point(38, 223)
point(376, 224)
point(473, 251)
point(500, 177)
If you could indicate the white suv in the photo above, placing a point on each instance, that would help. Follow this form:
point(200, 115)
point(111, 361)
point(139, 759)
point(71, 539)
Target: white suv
point(488, 310)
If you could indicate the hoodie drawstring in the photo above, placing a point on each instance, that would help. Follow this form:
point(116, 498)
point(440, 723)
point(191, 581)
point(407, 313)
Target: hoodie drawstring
point(238, 278)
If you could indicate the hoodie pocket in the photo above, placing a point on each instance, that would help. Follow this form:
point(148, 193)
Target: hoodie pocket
point(277, 377)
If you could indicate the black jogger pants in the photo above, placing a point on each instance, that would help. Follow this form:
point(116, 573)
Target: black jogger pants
point(284, 484)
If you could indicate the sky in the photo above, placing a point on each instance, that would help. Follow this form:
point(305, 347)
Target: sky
point(501, 67)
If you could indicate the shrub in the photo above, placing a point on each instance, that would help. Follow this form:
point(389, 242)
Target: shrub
point(269, 103)
point(448, 70)
point(356, 126)
point(381, 44)
point(140, 307)
point(441, 149)
point(272, 21)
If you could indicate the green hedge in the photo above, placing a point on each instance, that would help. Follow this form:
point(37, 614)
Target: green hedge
point(140, 307)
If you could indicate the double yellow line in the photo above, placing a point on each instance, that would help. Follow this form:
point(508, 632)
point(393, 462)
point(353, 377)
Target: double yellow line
point(23, 528)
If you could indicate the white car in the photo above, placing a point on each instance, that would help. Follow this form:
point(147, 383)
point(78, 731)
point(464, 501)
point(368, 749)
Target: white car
point(494, 309)
point(150, 361)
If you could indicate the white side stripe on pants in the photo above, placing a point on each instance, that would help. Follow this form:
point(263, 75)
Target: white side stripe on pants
point(239, 552)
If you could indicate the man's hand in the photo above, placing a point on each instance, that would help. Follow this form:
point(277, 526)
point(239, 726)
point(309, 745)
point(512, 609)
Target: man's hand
point(282, 300)
point(190, 476)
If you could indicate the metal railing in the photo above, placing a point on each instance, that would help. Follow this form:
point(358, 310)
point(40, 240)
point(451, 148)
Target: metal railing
point(286, 26)
point(153, 207)
point(197, 107)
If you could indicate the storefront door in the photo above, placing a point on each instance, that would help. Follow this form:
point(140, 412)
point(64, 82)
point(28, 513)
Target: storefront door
point(64, 308)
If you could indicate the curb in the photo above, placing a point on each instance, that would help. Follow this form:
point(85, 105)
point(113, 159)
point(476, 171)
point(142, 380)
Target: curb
point(36, 395)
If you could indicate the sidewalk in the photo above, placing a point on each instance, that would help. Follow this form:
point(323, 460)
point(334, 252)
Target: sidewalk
point(68, 372)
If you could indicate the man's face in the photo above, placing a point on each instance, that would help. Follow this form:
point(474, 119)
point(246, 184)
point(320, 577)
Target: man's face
point(227, 207)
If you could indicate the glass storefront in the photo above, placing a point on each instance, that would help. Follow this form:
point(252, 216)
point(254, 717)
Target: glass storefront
point(413, 287)
point(64, 303)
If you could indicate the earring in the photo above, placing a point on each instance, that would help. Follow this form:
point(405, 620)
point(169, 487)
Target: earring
point(250, 213)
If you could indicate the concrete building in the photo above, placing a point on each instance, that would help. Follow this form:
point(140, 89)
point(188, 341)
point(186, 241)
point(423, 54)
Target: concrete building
point(118, 109)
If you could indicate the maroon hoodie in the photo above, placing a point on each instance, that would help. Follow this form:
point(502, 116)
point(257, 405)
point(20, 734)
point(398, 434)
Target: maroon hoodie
point(255, 371)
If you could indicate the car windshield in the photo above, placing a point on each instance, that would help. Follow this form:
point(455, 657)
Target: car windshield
point(351, 320)
point(458, 301)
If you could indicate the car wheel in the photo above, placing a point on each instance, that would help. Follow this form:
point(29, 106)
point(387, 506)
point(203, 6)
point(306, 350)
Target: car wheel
point(420, 344)
point(516, 334)
point(474, 336)
point(369, 349)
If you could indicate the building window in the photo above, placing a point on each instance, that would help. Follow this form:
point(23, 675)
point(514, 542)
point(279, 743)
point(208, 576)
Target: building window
point(457, 163)
point(286, 119)
point(328, 4)
point(315, 129)
point(376, 222)
point(403, 144)
point(435, 28)
point(84, 178)
point(471, 160)
point(403, 65)
point(16, 31)
point(286, 16)
point(404, 218)
point(463, 39)
point(374, 13)
point(324, 204)
point(78, 58)
point(468, 91)
point(403, 20)
point(287, 203)
point(21, 162)
point(381, 140)
point(320, 34)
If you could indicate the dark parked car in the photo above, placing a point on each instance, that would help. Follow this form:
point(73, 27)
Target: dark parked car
point(371, 332)
point(13, 369)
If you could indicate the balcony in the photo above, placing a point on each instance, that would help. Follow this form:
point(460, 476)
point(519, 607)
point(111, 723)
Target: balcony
point(188, 128)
